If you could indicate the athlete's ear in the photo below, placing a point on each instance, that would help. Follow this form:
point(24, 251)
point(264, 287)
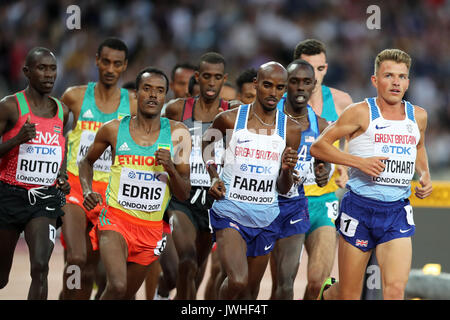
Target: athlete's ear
point(225, 77)
point(25, 70)
point(373, 78)
point(196, 75)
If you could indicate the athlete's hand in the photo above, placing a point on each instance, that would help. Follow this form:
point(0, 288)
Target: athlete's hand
point(341, 181)
point(321, 171)
point(27, 132)
point(289, 159)
point(63, 184)
point(217, 189)
point(426, 187)
point(91, 199)
point(373, 166)
point(164, 158)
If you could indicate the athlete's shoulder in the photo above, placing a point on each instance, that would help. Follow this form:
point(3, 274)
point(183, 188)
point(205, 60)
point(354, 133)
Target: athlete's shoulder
point(421, 116)
point(73, 96)
point(174, 125)
point(174, 108)
point(341, 99)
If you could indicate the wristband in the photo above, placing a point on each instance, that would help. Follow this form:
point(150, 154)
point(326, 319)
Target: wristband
point(210, 163)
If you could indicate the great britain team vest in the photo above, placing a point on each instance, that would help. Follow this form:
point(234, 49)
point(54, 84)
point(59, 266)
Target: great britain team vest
point(36, 162)
point(137, 186)
point(91, 118)
point(251, 168)
point(395, 139)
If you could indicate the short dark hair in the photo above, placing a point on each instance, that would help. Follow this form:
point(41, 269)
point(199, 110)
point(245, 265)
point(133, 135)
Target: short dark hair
point(246, 76)
point(151, 70)
point(31, 55)
point(213, 58)
point(130, 85)
point(192, 83)
point(309, 47)
point(301, 62)
point(183, 65)
point(113, 43)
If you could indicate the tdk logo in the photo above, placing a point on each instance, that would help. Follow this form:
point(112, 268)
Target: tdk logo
point(396, 149)
point(41, 150)
point(256, 169)
point(145, 176)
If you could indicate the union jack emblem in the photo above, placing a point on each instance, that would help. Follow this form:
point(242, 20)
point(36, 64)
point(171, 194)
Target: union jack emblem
point(362, 243)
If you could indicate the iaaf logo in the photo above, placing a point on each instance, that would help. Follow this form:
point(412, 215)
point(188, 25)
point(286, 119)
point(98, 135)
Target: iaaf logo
point(255, 169)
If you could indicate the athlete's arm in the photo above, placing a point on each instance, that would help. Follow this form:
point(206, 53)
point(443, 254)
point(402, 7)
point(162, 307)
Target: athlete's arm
point(8, 118)
point(422, 168)
point(178, 169)
point(321, 168)
point(106, 136)
point(62, 175)
point(174, 109)
point(73, 99)
point(289, 157)
point(222, 123)
point(349, 123)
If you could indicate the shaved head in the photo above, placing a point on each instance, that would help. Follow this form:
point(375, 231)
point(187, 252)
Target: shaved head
point(36, 53)
point(269, 68)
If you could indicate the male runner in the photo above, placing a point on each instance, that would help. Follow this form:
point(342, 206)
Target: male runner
point(259, 162)
point(151, 162)
point(92, 105)
point(294, 218)
point(246, 92)
point(386, 143)
point(33, 182)
point(320, 241)
point(191, 232)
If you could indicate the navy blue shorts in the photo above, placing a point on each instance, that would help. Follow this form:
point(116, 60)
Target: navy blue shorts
point(260, 241)
point(365, 222)
point(293, 218)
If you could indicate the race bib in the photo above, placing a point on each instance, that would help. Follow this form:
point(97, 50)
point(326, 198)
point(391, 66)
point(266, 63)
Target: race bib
point(104, 162)
point(38, 164)
point(142, 190)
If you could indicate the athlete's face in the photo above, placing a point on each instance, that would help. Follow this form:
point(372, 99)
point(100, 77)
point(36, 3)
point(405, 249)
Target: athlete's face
point(391, 81)
point(248, 93)
point(300, 86)
point(319, 62)
point(228, 93)
point(151, 94)
point(211, 78)
point(270, 87)
point(180, 82)
point(41, 72)
point(111, 64)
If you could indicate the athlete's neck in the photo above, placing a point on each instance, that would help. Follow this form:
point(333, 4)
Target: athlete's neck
point(147, 124)
point(36, 98)
point(316, 100)
point(104, 92)
point(208, 105)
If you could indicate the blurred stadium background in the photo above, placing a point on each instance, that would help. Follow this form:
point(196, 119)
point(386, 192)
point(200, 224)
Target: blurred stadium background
point(249, 33)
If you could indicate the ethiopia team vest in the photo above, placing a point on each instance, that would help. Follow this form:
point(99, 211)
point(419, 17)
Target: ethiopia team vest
point(251, 169)
point(137, 186)
point(305, 162)
point(199, 174)
point(395, 139)
point(91, 118)
point(36, 162)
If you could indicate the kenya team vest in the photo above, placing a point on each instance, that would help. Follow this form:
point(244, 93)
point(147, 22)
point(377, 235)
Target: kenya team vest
point(395, 139)
point(91, 118)
point(137, 186)
point(251, 168)
point(199, 174)
point(36, 162)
